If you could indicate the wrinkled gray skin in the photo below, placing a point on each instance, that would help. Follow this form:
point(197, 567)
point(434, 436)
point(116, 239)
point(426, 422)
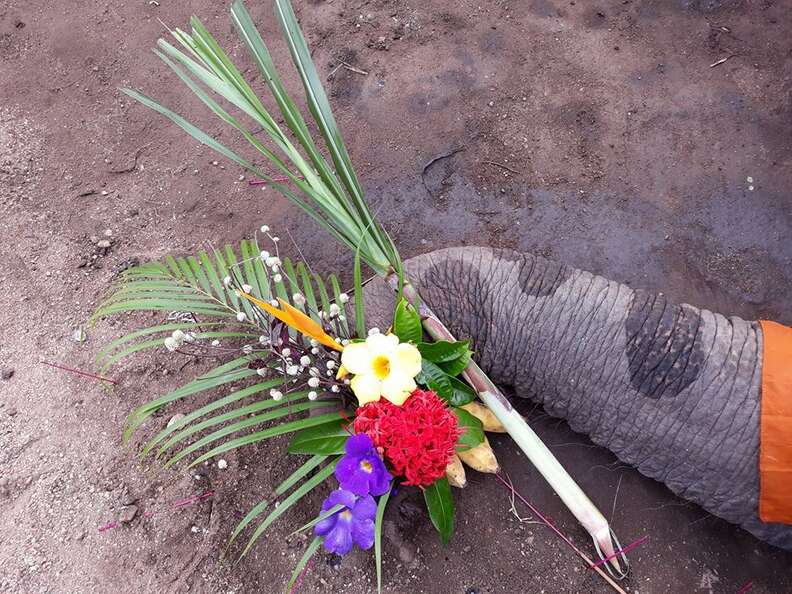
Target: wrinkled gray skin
point(670, 389)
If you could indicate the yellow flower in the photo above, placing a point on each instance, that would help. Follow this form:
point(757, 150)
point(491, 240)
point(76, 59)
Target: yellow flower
point(382, 367)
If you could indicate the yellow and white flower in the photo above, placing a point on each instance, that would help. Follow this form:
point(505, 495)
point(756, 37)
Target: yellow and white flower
point(382, 366)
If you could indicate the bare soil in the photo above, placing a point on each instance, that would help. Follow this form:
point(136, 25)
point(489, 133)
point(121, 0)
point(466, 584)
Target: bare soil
point(598, 133)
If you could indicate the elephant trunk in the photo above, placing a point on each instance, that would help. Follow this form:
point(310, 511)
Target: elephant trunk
point(671, 389)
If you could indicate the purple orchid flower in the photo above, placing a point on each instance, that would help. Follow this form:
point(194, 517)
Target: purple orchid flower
point(362, 470)
point(353, 524)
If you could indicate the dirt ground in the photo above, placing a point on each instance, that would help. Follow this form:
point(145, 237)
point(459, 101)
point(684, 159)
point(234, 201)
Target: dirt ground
point(600, 133)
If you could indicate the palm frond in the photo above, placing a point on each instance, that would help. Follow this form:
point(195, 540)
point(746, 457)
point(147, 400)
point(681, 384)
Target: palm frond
point(203, 286)
point(310, 551)
point(312, 463)
point(289, 501)
point(327, 190)
point(192, 285)
point(232, 371)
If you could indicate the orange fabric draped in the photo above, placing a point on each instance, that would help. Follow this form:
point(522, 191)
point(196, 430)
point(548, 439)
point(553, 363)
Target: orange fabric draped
point(775, 445)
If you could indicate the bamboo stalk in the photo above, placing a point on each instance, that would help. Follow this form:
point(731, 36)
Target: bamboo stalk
point(537, 452)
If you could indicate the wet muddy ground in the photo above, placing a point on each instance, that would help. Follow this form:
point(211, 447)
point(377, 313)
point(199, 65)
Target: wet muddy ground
point(610, 135)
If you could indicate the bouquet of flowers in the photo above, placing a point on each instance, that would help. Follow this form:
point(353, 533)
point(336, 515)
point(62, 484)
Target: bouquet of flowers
point(374, 408)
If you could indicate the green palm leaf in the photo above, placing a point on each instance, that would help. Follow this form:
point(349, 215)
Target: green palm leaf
point(303, 471)
point(327, 190)
point(310, 551)
point(289, 501)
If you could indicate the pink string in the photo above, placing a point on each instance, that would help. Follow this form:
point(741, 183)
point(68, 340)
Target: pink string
point(552, 526)
point(192, 499)
point(537, 513)
point(302, 574)
point(626, 549)
point(746, 588)
point(78, 372)
point(274, 178)
point(175, 504)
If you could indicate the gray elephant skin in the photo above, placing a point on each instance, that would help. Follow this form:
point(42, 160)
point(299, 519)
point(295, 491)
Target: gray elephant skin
point(671, 389)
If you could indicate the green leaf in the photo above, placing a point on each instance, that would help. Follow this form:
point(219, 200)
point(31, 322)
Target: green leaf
point(457, 366)
point(319, 107)
point(287, 484)
point(300, 567)
point(461, 394)
point(260, 507)
point(360, 318)
point(307, 290)
point(326, 439)
point(443, 351)
point(440, 506)
point(435, 379)
point(337, 296)
point(235, 396)
point(162, 328)
point(244, 412)
point(407, 323)
point(226, 373)
point(473, 430)
point(383, 501)
point(192, 130)
point(319, 518)
point(298, 474)
point(268, 433)
point(284, 505)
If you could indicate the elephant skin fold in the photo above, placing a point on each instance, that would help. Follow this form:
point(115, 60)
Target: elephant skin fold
point(671, 389)
point(775, 453)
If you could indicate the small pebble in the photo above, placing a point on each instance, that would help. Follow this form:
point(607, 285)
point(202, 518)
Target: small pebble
point(128, 514)
point(175, 419)
point(78, 335)
point(406, 553)
point(222, 464)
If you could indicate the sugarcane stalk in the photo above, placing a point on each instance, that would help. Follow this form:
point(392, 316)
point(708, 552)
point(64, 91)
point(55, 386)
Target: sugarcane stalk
point(537, 452)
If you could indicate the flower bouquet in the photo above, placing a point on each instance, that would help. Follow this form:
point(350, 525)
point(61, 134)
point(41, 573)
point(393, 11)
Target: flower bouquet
point(374, 410)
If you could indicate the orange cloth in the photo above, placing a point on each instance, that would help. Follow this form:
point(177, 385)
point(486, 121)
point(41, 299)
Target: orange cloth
point(775, 445)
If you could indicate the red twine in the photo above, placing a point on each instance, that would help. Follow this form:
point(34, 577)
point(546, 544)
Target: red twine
point(174, 504)
point(83, 373)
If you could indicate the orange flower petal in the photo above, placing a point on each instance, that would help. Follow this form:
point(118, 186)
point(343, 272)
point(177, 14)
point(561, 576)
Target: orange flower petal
point(309, 327)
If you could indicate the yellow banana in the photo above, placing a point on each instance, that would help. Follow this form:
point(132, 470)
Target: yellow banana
point(480, 458)
point(483, 414)
point(455, 473)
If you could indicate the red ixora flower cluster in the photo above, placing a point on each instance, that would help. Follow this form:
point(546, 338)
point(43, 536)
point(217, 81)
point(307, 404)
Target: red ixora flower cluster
point(417, 438)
